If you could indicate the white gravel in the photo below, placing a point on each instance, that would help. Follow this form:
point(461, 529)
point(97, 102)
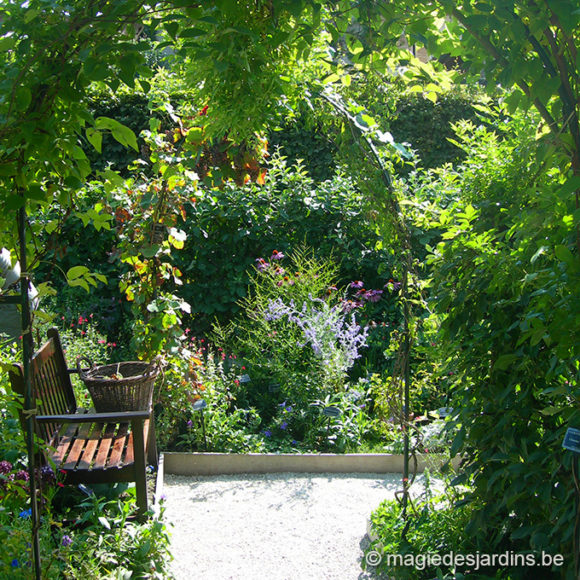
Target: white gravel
point(273, 526)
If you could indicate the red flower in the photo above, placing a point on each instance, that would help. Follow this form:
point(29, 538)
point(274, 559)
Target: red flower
point(203, 112)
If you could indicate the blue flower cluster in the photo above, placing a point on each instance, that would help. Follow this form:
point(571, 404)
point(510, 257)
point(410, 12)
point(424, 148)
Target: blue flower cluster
point(334, 336)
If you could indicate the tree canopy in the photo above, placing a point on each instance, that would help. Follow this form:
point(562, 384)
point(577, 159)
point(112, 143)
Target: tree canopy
point(247, 58)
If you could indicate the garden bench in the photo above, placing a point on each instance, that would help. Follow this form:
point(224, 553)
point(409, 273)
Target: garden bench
point(85, 447)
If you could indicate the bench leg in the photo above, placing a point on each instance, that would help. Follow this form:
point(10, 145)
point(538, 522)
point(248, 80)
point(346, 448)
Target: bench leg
point(152, 455)
point(140, 467)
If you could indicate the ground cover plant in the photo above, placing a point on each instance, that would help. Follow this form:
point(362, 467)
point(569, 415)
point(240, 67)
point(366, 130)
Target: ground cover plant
point(435, 526)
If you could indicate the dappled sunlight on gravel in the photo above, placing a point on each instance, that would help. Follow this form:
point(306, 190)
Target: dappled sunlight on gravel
point(273, 526)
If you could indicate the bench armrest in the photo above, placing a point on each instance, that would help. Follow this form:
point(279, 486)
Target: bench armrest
point(120, 417)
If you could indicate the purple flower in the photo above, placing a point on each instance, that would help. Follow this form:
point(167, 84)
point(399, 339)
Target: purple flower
point(47, 474)
point(5, 467)
point(15, 563)
point(283, 425)
point(66, 540)
point(25, 514)
point(22, 475)
point(190, 424)
point(392, 285)
point(356, 285)
point(373, 295)
point(350, 305)
point(261, 264)
point(268, 433)
point(326, 329)
point(277, 255)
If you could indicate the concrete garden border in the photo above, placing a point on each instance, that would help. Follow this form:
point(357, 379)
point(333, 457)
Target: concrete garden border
point(232, 463)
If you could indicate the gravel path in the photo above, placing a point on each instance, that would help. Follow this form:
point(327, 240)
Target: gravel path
point(274, 526)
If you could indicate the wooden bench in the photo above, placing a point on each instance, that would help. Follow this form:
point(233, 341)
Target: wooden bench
point(85, 447)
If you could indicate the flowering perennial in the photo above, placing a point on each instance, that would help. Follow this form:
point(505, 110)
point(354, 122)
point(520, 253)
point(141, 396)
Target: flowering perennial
point(334, 336)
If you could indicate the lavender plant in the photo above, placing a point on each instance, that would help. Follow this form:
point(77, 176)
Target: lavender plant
point(334, 336)
point(296, 334)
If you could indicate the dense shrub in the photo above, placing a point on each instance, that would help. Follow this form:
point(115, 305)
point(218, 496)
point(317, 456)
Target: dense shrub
point(299, 141)
point(229, 229)
point(129, 108)
point(505, 291)
point(86, 238)
point(427, 126)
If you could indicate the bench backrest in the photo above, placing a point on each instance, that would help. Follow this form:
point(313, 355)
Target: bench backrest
point(52, 390)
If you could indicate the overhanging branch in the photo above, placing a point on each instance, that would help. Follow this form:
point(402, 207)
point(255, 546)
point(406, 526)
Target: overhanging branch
point(486, 44)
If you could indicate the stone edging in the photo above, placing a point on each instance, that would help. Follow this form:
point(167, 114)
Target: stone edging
point(229, 464)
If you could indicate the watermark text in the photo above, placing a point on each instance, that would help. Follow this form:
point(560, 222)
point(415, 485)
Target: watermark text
point(473, 561)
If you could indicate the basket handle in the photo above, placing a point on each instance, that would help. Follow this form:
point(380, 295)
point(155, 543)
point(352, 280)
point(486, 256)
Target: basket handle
point(156, 363)
point(92, 365)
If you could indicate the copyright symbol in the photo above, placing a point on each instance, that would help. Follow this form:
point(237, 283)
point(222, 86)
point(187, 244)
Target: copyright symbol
point(373, 558)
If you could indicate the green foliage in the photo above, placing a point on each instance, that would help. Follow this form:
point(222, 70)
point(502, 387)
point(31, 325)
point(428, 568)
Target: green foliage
point(129, 108)
point(246, 55)
point(229, 229)
point(308, 145)
point(285, 333)
point(146, 210)
point(93, 537)
point(12, 446)
point(106, 543)
point(426, 125)
point(356, 427)
point(435, 525)
point(202, 374)
point(505, 289)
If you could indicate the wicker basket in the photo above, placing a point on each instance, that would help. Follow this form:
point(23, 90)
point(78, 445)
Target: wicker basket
point(124, 386)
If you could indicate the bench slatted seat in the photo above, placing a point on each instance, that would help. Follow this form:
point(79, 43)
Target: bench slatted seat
point(85, 447)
